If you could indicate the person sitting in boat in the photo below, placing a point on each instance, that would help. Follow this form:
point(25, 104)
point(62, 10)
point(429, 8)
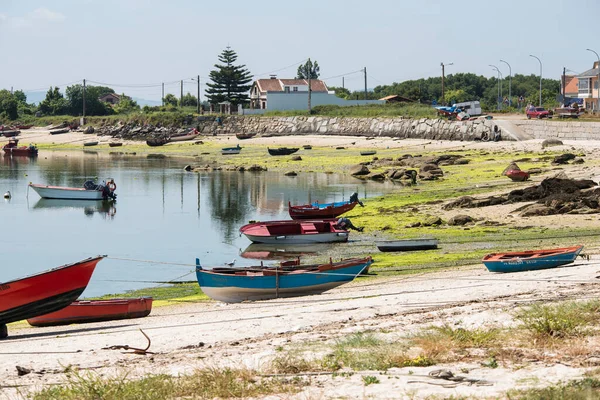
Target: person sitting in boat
point(345, 223)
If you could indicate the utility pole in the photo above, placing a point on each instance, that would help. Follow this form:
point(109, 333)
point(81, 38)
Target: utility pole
point(11, 90)
point(443, 77)
point(83, 119)
point(509, 83)
point(564, 83)
point(198, 99)
point(499, 90)
point(365, 83)
point(181, 96)
point(343, 87)
point(162, 99)
point(309, 90)
point(540, 61)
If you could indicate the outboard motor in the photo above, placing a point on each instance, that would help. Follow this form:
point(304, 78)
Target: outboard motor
point(354, 199)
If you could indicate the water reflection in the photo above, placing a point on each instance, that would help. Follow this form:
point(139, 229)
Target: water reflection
point(261, 251)
point(107, 209)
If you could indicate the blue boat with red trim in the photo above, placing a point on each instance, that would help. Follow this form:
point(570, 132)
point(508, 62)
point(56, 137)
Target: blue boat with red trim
point(531, 260)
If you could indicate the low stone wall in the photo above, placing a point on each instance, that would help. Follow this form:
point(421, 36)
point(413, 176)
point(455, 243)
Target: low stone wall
point(390, 127)
point(565, 130)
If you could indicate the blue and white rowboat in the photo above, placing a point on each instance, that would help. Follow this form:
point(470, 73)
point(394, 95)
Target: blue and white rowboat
point(531, 260)
point(234, 285)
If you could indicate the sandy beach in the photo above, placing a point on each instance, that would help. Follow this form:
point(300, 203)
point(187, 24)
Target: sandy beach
point(191, 335)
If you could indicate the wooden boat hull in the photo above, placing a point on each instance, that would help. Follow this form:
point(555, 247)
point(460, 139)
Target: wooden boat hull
point(517, 175)
point(59, 131)
point(282, 151)
point(115, 144)
point(407, 244)
point(44, 292)
point(88, 144)
point(157, 142)
point(531, 260)
point(11, 133)
point(320, 211)
point(183, 138)
point(20, 151)
point(66, 193)
point(227, 152)
point(243, 136)
point(368, 153)
point(295, 232)
point(86, 311)
point(234, 288)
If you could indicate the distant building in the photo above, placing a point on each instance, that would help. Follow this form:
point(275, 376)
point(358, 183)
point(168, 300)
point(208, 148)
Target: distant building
point(396, 99)
point(292, 94)
point(110, 98)
point(587, 84)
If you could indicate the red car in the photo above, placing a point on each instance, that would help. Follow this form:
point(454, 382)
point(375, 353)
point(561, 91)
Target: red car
point(538, 112)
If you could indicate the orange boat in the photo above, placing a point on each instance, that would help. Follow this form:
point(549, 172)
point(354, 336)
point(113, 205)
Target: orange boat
point(517, 175)
point(83, 311)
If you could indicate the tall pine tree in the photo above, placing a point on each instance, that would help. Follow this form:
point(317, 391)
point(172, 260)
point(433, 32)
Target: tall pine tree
point(229, 82)
point(309, 70)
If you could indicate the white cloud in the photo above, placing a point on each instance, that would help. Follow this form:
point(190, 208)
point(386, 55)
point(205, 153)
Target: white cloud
point(47, 15)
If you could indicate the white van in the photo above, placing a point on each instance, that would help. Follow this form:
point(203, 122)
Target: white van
point(473, 108)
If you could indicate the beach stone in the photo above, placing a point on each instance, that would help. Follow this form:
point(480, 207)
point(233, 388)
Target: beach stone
point(551, 142)
point(432, 221)
point(187, 168)
point(534, 171)
point(291, 173)
point(563, 158)
point(377, 177)
point(359, 170)
point(578, 160)
point(88, 129)
point(256, 168)
point(460, 220)
point(23, 371)
point(296, 158)
point(536, 210)
point(429, 167)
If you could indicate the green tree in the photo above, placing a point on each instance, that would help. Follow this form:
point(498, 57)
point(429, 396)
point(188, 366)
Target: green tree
point(308, 70)
point(126, 105)
point(189, 100)
point(341, 92)
point(93, 105)
point(170, 100)
point(54, 103)
point(229, 82)
point(20, 96)
point(8, 106)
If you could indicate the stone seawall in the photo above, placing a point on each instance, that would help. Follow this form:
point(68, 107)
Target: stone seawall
point(438, 129)
point(565, 130)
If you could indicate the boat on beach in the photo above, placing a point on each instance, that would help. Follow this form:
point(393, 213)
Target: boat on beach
point(517, 175)
point(89, 191)
point(155, 142)
point(59, 131)
point(295, 232)
point(12, 148)
point(115, 144)
point(518, 261)
point(10, 133)
point(318, 210)
point(407, 244)
point(231, 150)
point(234, 285)
point(89, 144)
point(282, 151)
point(243, 136)
point(44, 292)
point(191, 135)
point(85, 311)
point(368, 152)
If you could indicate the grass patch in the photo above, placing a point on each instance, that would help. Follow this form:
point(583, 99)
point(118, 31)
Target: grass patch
point(583, 389)
point(206, 383)
point(562, 320)
point(163, 295)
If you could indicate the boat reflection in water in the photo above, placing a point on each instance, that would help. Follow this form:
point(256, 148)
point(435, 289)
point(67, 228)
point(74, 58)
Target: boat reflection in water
point(260, 251)
point(106, 209)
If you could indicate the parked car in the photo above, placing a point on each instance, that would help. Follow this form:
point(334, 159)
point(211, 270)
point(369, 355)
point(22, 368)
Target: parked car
point(538, 112)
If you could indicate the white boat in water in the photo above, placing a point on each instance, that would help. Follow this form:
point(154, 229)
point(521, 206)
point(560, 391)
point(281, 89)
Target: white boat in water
point(89, 191)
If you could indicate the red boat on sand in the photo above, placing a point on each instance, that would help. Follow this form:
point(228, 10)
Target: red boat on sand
point(517, 175)
point(84, 311)
point(44, 292)
point(318, 210)
point(13, 148)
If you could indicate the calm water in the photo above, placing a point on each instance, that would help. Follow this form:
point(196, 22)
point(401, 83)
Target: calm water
point(163, 215)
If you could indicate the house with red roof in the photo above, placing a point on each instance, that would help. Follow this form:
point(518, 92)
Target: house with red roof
point(276, 94)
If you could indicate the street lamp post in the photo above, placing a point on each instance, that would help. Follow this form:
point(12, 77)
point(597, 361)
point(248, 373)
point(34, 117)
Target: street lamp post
point(540, 61)
point(443, 66)
point(499, 77)
point(509, 83)
point(598, 81)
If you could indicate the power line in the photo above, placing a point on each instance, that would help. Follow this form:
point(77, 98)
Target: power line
point(281, 69)
point(339, 76)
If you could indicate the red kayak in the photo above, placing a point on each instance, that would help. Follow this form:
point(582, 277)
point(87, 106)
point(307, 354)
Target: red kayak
point(517, 175)
point(84, 311)
point(44, 292)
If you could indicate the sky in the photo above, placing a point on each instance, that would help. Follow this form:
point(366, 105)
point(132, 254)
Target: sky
point(135, 45)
